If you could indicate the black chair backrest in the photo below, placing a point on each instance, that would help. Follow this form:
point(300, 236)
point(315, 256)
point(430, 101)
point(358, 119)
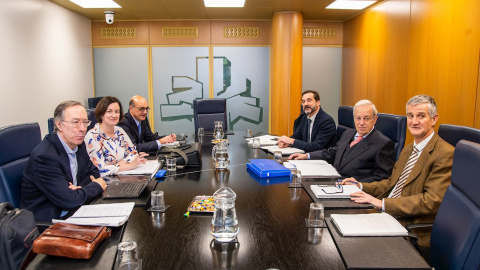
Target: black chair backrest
point(91, 117)
point(296, 123)
point(394, 127)
point(92, 102)
point(455, 241)
point(207, 111)
point(51, 125)
point(345, 120)
point(453, 134)
point(16, 145)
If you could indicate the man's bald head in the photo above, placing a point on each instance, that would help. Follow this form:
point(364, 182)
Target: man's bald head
point(138, 107)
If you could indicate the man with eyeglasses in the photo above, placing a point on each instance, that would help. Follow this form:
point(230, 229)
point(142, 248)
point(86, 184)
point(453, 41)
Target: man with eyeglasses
point(60, 176)
point(362, 154)
point(136, 125)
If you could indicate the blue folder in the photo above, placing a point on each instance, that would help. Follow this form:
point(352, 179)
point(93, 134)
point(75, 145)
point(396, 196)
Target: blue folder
point(267, 168)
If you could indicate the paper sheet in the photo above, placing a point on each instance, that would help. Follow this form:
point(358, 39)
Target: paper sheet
point(376, 224)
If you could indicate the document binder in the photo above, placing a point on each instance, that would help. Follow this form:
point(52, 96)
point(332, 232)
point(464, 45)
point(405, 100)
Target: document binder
point(267, 168)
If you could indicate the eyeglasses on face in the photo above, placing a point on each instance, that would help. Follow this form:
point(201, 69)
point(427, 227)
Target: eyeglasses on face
point(366, 118)
point(77, 123)
point(142, 109)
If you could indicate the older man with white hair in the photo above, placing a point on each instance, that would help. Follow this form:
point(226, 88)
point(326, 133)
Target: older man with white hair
point(362, 154)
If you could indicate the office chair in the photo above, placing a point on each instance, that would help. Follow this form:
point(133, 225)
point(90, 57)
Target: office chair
point(395, 128)
point(92, 102)
point(91, 117)
point(453, 134)
point(207, 111)
point(16, 145)
point(345, 120)
point(455, 242)
point(51, 125)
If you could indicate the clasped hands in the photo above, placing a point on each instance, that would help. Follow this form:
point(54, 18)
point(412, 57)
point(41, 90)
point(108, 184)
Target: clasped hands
point(285, 141)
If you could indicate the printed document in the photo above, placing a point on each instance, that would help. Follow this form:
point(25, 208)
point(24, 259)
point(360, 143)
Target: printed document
point(112, 215)
point(147, 168)
point(332, 192)
point(265, 140)
point(313, 168)
point(376, 224)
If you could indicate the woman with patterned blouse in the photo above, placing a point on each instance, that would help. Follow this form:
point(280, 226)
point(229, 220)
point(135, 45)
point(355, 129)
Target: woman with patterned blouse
point(109, 147)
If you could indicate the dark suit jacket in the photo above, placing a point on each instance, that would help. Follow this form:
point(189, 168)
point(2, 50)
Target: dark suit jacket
point(323, 133)
point(369, 160)
point(424, 188)
point(44, 187)
point(146, 141)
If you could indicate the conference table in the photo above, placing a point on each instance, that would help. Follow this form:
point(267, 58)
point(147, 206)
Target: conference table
point(273, 233)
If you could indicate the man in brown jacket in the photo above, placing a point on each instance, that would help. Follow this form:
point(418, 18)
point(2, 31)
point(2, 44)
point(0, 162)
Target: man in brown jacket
point(421, 175)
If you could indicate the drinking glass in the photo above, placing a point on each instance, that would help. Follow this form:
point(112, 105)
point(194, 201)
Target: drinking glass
point(256, 143)
point(201, 131)
point(277, 156)
point(128, 255)
point(296, 178)
point(171, 164)
point(157, 200)
point(316, 216)
point(249, 133)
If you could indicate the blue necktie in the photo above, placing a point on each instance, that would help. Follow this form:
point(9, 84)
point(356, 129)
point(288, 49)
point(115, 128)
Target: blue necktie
point(139, 128)
point(308, 130)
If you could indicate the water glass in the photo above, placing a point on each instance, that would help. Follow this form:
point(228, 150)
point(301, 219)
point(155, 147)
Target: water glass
point(171, 164)
point(182, 138)
point(277, 156)
point(200, 132)
point(157, 200)
point(316, 216)
point(295, 178)
point(256, 143)
point(127, 255)
point(249, 133)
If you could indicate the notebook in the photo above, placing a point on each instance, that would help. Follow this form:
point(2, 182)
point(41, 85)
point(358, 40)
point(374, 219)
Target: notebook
point(267, 168)
point(331, 192)
point(130, 189)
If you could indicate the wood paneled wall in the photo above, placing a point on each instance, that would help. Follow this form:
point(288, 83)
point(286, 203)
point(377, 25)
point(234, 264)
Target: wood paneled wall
point(401, 48)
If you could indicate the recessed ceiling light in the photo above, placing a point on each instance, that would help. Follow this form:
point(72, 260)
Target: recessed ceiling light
point(96, 3)
point(345, 4)
point(224, 3)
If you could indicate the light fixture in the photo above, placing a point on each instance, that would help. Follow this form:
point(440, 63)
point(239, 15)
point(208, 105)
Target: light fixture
point(346, 4)
point(224, 3)
point(96, 3)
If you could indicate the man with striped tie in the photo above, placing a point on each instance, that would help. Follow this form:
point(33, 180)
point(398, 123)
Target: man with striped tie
point(421, 175)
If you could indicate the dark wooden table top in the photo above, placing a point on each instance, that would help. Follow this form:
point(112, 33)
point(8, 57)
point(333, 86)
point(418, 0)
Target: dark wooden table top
point(271, 216)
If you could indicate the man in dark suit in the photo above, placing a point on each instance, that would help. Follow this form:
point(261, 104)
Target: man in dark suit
point(363, 154)
point(60, 176)
point(317, 129)
point(136, 125)
point(421, 175)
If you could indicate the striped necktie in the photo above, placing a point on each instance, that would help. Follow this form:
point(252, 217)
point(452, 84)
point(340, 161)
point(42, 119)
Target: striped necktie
point(405, 173)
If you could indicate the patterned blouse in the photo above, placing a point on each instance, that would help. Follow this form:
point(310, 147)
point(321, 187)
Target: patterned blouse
point(106, 152)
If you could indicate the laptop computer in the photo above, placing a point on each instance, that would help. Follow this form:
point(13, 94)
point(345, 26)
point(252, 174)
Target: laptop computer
point(128, 186)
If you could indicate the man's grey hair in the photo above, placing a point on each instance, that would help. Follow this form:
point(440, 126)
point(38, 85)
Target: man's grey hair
point(60, 109)
point(365, 102)
point(422, 99)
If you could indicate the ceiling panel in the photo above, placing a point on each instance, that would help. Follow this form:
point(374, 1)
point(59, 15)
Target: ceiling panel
point(194, 9)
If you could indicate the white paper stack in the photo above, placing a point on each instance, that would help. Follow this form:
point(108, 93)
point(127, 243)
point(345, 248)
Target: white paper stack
point(285, 151)
point(111, 215)
point(332, 192)
point(265, 140)
point(376, 224)
point(313, 168)
point(147, 168)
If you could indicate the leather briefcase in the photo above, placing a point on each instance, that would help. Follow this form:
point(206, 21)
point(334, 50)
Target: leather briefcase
point(188, 155)
point(72, 241)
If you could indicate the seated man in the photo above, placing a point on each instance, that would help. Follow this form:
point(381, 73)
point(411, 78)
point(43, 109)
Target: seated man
point(364, 154)
point(421, 175)
point(136, 125)
point(60, 176)
point(316, 130)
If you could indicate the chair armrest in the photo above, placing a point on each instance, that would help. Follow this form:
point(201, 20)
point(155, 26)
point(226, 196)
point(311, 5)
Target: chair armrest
point(418, 225)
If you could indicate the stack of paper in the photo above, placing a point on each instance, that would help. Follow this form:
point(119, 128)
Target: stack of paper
point(265, 140)
point(312, 168)
point(377, 224)
point(112, 215)
point(147, 168)
point(332, 192)
point(285, 151)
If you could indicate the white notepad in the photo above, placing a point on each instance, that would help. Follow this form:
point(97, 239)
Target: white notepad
point(112, 215)
point(376, 224)
point(331, 192)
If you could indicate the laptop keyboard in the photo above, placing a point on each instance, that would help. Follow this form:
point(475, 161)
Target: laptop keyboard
point(131, 189)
